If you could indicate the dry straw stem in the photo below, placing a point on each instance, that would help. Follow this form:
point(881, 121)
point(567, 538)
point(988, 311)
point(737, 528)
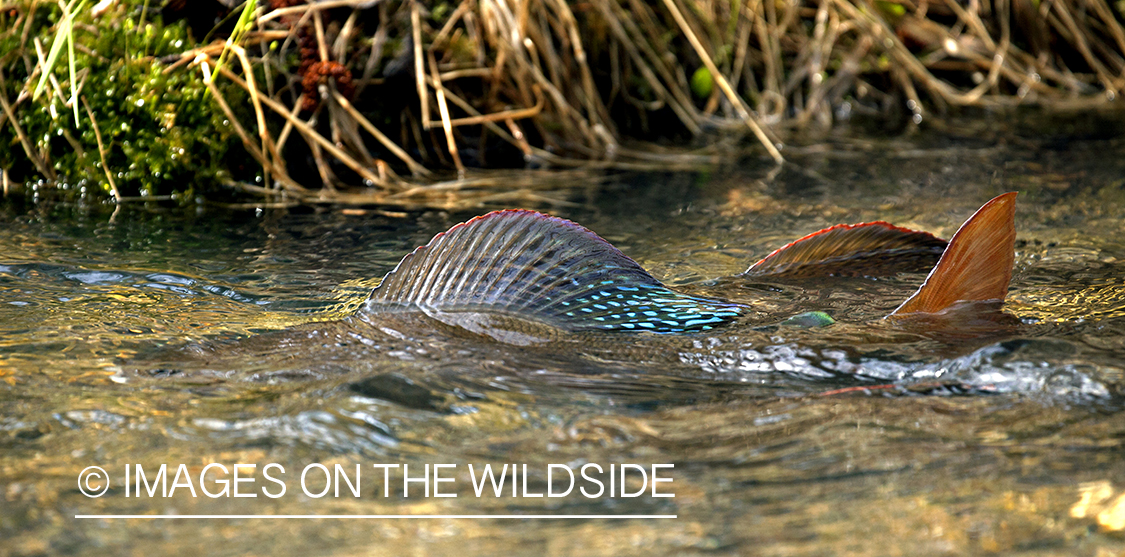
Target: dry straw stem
point(101, 150)
point(444, 111)
point(780, 65)
point(308, 132)
point(735, 100)
point(37, 158)
point(459, 194)
point(416, 168)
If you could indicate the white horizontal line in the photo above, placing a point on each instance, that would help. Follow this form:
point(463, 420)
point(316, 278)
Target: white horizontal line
point(368, 516)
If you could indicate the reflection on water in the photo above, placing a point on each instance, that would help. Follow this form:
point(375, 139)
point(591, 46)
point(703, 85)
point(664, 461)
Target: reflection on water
point(161, 339)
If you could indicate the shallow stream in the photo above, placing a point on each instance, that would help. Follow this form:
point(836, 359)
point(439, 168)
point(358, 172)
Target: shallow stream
point(155, 337)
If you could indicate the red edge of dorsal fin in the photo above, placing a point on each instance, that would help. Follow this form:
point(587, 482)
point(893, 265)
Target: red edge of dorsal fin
point(500, 213)
point(977, 265)
point(497, 214)
point(835, 248)
point(513, 259)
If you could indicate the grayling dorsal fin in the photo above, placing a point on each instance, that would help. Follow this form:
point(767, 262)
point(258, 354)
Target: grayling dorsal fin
point(540, 267)
point(870, 248)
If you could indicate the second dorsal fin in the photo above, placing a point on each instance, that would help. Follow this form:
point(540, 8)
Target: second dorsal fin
point(871, 248)
point(535, 266)
point(977, 265)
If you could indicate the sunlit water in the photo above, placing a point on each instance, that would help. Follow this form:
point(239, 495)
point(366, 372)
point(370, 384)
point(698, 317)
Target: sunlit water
point(157, 338)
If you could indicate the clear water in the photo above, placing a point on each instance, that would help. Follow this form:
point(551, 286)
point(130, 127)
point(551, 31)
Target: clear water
point(158, 338)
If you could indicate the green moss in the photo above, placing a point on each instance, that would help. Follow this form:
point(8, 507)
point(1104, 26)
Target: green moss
point(162, 132)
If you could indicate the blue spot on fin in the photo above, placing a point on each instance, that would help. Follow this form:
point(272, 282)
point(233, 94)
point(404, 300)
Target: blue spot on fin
point(540, 267)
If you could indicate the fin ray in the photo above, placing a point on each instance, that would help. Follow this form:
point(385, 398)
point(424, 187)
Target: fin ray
point(870, 248)
point(977, 265)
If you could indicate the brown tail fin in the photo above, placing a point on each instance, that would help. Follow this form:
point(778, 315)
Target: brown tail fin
point(977, 265)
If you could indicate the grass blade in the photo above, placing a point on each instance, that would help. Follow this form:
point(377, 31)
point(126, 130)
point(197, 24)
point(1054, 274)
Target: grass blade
point(245, 20)
point(73, 74)
point(53, 55)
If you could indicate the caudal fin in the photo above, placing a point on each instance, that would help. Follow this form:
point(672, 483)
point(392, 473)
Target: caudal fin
point(535, 266)
point(977, 265)
point(867, 249)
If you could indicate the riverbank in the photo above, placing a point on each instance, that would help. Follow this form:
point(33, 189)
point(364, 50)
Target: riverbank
point(394, 104)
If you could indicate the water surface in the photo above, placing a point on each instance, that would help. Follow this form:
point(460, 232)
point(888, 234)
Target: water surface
point(158, 337)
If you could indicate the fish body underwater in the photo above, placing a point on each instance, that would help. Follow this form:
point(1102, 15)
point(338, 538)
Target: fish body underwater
point(525, 290)
point(542, 272)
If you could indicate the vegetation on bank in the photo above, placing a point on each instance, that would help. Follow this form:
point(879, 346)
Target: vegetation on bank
point(373, 102)
point(121, 124)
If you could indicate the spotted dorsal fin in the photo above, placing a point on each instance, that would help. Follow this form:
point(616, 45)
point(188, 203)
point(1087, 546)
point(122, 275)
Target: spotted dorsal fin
point(977, 265)
point(866, 249)
point(544, 268)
